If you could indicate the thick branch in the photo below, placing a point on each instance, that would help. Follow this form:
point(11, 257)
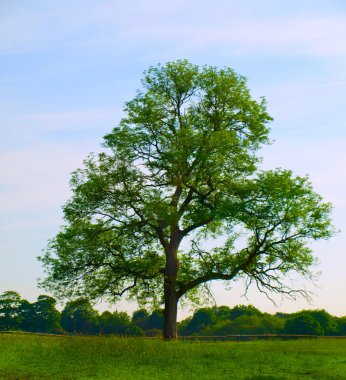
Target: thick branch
point(176, 196)
point(185, 203)
point(202, 223)
point(161, 236)
point(205, 278)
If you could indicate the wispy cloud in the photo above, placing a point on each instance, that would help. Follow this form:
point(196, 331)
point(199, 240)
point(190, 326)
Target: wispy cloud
point(315, 98)
point(33, 132)
point(313, 36)
point(116, 24)
point(33, 180)
point(65, 120)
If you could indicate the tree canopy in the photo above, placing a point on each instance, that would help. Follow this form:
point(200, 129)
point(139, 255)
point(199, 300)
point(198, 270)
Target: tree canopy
point(177, 199)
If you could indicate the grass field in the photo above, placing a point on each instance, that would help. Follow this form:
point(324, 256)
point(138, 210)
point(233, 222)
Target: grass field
point(45, 357)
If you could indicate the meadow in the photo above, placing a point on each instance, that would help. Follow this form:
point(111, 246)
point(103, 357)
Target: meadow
point(64, 357)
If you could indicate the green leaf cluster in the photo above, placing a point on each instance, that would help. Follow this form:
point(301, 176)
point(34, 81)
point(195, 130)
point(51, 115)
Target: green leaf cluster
point(179, 187)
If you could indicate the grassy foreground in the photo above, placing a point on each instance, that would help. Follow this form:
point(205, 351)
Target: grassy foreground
point(44, 357)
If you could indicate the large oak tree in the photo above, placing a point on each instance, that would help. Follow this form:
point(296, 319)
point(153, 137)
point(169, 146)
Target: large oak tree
point(177, 199)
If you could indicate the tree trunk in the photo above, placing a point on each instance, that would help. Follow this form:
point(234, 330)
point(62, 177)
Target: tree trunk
point(170, 313)
point(170, 291)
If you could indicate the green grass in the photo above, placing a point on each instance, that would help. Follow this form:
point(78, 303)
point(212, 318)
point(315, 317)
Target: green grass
point(44, 357)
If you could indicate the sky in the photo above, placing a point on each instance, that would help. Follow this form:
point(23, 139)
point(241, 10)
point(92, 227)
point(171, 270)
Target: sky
point(66, 69)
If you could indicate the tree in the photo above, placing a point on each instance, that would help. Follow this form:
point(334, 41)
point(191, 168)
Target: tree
point(341, 326)
point(40, 316)
point(246, 324)
point(201, 319)
point(10, 303)
point(178, 200)
point(118, 323)
point(46, 316)
point(241, 310)
point(140, 318)
point(223, 312)
point(114, 323)
point(151, 323)
point(155, 320)
point(27, 316)
point(328, 322)
point(303, 323)
point(78, 316)
point(317, 322)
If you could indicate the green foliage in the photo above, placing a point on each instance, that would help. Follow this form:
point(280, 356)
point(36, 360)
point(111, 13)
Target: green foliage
point(225, 321)
point(201, 319)
point(246, 324)
point(117, 323)
point(45, 316)
point(316, 322)
point(327, 322)
point(243, 319)
point(146, 321)
point(341, 323)
point(182, 166)
point(241, 310)
point(10, 302)
point(27, 316)
point(79, 317)
point(303, 324)
point(155, 320)
point(114, 323)
point(19, 314)
point(140, 318)
point(132, 330)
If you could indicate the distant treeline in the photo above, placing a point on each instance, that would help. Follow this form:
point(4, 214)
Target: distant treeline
point(79, 317)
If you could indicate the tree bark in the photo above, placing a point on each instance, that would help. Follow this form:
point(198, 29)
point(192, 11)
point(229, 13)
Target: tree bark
point(170, 312)
point(170, 293)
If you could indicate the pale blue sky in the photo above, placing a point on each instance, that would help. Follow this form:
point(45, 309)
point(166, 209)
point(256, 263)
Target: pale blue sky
point(67, 67)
